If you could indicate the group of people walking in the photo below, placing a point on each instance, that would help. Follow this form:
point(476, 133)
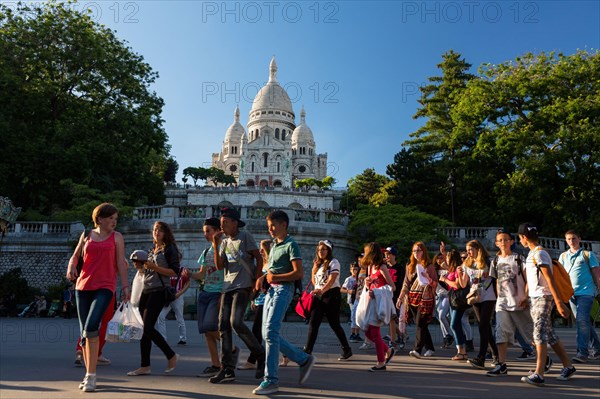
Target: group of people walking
point(235, 272)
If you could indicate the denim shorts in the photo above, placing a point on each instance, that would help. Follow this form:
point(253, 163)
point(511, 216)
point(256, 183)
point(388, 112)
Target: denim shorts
point(208, 311)
point(91, 306)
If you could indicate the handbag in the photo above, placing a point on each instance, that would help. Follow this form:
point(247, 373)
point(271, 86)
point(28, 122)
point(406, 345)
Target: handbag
point(170, 293)
point(79, 266)
point(458, 298)
point(304, 304)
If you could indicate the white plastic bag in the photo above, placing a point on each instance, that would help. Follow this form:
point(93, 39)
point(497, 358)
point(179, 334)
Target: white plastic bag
point(126, 324)
point(362, 310)
point(136, 289)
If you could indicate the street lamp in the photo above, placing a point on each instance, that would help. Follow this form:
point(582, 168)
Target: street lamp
point(451, 185)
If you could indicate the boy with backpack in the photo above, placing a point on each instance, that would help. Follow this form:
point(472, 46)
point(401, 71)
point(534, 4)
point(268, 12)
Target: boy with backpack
point(544, 295)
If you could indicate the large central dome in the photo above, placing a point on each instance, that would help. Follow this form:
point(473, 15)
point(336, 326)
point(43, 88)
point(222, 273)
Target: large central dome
point(272, 96)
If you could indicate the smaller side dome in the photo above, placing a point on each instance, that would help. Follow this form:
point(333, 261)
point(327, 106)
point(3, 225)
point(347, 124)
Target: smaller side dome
point(236, 131)
point(302, 133)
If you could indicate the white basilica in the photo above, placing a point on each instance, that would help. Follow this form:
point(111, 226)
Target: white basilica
point(274, 152)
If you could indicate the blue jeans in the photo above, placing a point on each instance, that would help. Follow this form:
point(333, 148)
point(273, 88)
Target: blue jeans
point(91, 306)
point(456, 326)
point(582, 307)
point(276, 303)
point(526, 346)
point(442, 311)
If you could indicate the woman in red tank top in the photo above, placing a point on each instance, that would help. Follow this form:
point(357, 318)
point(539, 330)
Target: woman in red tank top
point(377, 277)
point(103, 255)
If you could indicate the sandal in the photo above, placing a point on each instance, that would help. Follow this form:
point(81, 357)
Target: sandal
point(460, 356)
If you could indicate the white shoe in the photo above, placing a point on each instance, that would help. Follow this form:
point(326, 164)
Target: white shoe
point(429, 353)
point(415, 354)
point(365, 346)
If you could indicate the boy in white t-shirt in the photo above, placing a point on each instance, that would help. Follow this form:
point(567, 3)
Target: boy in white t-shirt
point(543, 296)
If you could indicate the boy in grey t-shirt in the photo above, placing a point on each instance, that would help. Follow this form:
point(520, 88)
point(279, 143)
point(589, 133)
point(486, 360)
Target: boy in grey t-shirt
point(237, 253)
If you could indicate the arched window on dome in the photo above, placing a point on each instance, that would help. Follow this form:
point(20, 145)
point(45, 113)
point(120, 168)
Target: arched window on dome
point(252, 167)
point(283, 134)
point(278, 167)
point(277, 133)
point(293, 151)
point(265, 159)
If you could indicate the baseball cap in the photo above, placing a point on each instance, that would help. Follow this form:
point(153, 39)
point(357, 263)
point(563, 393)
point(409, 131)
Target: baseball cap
point(233, 214)
point(326, 243)
point(214, 222)
point(392, 250)
point(139, 256)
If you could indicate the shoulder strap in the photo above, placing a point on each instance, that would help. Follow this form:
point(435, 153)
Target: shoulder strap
point(586, 257)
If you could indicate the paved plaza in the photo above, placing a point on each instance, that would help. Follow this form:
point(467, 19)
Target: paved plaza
point(36, 361)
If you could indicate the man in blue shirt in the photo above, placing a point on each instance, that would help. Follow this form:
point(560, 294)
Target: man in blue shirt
point(285, 266)
point(584, 272)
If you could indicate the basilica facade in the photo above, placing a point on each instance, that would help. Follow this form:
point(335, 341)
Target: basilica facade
point(272, 151)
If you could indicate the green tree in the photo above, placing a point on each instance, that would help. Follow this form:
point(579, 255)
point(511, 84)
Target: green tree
point(539, 118)
point(363, 187)
point(171, 171)
point(435, 149)
point(75, 104)
point(394, 224)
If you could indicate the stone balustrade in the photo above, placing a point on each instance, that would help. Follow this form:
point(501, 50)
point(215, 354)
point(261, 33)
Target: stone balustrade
point(487, 236)
point(169, 213)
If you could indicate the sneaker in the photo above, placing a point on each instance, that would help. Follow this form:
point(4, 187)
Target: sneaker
point(365, 346)
point(357, 339)
point(495, 361)
point(594, 355)
point(400, 343)
point(526, 356)
point(387, 338)
point(90, 384)
point(498, 371)
point(477, 363)
point(210, 371)
point(566, 373)
point(82, 383)
point(79, 358)
point(181, 342)
point(266, 388)
point(375, 368)
point(533, 379)
point(429, 353)
point(347, 354)
point(414, 354)
point(579, 358)
point(306, 368)
point(224, 375)
point(103, 361)
point(548, 364)
point(247, 366)
point(351, 338)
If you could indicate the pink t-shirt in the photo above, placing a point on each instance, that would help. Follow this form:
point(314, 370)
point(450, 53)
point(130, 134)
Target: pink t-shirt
point(99, 265)
point(451, 276)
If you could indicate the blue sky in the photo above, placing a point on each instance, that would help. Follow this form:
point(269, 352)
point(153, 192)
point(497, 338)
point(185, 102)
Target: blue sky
point(354, 65)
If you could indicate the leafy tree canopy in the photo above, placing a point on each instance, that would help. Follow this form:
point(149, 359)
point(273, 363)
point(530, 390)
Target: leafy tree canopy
point(394, 225)
point(75, 105)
